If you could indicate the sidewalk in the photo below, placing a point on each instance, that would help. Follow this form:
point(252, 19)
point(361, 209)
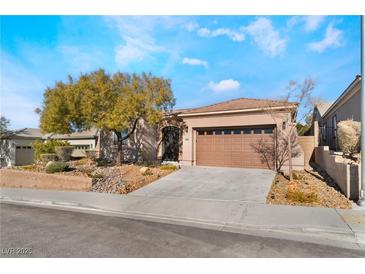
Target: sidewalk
point(334, 227)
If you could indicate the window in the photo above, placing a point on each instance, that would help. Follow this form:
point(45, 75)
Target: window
point(237, 131)
point(218, 132)
point(247, 131)
point(284, 125)
point(324, 132)
point(268, 130)
point(200, 132)
point(115, 137)
point(227, 131)
point(82, 147)
point(257, 131)
point(209, 132)
point(334, 124)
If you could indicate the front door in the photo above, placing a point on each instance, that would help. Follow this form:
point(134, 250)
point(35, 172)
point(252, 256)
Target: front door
point(170, 143)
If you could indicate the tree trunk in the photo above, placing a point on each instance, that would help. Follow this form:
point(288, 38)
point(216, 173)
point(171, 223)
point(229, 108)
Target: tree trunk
point(120, 139)
point(119, 160)
point(290, 156)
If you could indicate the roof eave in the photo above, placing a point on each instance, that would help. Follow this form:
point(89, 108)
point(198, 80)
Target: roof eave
point(292, 106)
point(347, 90)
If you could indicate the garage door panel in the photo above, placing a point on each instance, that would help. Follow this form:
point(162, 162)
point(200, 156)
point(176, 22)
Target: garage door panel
point(232, 148)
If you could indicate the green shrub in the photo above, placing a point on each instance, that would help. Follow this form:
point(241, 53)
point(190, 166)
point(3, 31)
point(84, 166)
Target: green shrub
point(47, 147)
point(168, 167)
point(46, 157)
point(302, 197)
point(64, 152)
point(56, 167)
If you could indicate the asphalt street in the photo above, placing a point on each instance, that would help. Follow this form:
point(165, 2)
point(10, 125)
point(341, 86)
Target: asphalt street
point(37, 232)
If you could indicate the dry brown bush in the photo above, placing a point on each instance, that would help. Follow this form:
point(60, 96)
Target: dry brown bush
point(348, 133)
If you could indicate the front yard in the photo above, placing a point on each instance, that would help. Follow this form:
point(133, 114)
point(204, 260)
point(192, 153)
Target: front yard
point(309, 188)
point(110, 179)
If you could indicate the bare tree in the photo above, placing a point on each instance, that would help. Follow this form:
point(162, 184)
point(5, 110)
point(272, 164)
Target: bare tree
point(297, 101)
point(277, 150)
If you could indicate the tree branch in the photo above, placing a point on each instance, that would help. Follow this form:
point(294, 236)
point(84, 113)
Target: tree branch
point(132, 131)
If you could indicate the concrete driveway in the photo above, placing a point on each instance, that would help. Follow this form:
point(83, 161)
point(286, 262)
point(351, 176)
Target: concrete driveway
point(212, 183)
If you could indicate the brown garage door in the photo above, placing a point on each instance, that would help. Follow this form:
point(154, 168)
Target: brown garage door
point(234, 147)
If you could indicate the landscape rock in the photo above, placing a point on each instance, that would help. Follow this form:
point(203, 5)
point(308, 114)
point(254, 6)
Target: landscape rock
point(143, 170)
point(49, 163)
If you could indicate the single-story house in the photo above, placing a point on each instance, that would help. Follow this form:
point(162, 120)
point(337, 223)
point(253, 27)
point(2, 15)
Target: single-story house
point(223, 135)
point(346, 106)
point(16, 148)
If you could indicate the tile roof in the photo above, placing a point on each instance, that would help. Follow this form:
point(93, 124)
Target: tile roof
point(91, 133)
point(237, 104)
point(28, 133)
point(37, 134)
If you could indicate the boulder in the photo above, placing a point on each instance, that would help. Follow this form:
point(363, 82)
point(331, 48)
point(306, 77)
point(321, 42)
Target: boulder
point(49, 163)
point(143, 170)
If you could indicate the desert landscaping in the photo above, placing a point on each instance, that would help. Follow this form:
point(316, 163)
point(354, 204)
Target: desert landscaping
point(104, 178)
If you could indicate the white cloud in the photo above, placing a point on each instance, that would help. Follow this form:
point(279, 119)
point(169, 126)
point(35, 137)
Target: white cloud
point(135, 49)
point(137, 33)
point(204, 32)
point(195, 62)
point(311, 23)
point(233, 35)
point(224, 85)
point(266, 37)
point(191, 26)
point(333, 39)
point(80, 58)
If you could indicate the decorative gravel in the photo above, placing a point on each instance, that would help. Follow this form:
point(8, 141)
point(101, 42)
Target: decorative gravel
point(309, 184)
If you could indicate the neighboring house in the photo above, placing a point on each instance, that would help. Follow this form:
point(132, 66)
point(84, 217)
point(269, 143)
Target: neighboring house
point(222, 135)
point(16, 148)
point(346, 106)
point(81, 141)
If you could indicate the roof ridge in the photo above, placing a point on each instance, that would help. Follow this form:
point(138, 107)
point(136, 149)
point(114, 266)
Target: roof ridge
point(235, 99)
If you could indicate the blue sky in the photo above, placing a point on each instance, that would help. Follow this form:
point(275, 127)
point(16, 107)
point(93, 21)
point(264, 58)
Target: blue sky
point(208, 58)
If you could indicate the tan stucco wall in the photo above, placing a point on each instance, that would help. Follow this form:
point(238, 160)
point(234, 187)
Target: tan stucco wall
point(188, 156)
point(348, 108)
point(142, 145)
point(307, 144)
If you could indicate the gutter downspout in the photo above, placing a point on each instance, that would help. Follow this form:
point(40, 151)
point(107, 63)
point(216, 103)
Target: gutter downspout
point(361, 201)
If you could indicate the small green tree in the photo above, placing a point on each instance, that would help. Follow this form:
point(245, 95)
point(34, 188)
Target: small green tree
point(47, 147)
point(4, 126)
point(110, 102)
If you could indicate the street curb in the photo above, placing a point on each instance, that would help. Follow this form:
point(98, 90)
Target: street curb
point(355, 241)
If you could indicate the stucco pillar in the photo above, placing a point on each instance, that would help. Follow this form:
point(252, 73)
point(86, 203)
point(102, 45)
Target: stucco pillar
point(316, 133)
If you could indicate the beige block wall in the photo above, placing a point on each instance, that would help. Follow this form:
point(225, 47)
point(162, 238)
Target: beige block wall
point(28, 179)
point(345, 175)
